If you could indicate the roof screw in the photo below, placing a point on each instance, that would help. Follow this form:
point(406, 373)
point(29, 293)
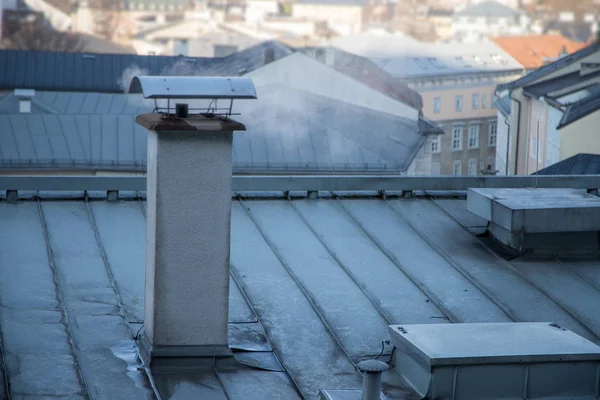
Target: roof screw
point(372, 370)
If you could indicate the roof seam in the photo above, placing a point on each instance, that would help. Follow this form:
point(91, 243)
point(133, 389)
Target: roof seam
point(60, 299)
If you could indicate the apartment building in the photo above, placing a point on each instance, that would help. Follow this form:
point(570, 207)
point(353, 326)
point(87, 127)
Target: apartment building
point(456, 82)
point(553, 113)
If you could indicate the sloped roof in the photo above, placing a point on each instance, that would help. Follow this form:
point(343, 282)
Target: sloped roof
point(106, 72)
point(546, 69)
point(533, 51)
point(580, 164)
point(288, 130)
point(487, 9)
point(580, 109)
point(314, 285)
point(504, 105)
point(366, 71)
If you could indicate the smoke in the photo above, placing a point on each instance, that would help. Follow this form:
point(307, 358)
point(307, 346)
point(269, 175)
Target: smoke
point(127, 76)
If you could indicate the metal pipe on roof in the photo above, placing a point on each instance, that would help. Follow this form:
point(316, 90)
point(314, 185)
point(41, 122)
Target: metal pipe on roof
point(372, 370)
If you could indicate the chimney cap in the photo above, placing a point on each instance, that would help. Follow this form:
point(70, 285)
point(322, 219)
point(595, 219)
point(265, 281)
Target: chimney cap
point(193, 87)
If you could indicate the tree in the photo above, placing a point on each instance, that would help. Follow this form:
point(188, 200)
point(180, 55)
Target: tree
point(43, 39)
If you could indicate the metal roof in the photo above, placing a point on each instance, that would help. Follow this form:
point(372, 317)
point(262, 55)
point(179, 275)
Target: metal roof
point(580, 164)
point(488, 9)
point(547, 69)
point(112, 72)
point(580, 109)
point(562, 82)
point(314, 286)
point(504, 105)
point(187, 87)
point(287, 130)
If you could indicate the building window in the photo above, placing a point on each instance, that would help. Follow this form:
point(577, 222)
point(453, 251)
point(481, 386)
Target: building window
point(474, 137)
point(458, 103)
point(436, 145)
point(437, 105)
point(456, 168)
point(472, 166)
point(492, 162)
point(435, 169)
point(493, 131)
point(457, 133)
point(475, 101)
point(483, 100)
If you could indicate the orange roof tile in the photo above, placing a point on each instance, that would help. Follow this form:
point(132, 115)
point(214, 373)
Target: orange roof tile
point(533, 51)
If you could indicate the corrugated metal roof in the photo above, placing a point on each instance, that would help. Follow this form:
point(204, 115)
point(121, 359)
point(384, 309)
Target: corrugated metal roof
point(580, 164)
point(339, 271)
point(288, 130)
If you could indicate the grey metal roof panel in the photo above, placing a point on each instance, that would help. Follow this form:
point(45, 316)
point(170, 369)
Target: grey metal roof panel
point(319, 134)
point(546, 69)
point(82, 71)
point(580, 109)
point(580, 164)
point(375, 248)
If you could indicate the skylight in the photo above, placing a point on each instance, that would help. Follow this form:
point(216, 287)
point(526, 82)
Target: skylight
point(437, 63)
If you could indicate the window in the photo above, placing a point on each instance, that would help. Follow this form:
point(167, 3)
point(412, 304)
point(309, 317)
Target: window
point(483, 100)
point(492, 162)
point(458, 103)
point(475, 101)
point(474, 136)
point(533, 147)
point(472, 166)
point(493, 130)
point(436, 145)
point(437, 104)
point(457, 133)
point(456, 168)
point(435, 169)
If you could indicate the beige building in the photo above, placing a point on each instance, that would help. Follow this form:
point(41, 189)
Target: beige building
point(552, 113)
point(345, 17)
point(456, 82)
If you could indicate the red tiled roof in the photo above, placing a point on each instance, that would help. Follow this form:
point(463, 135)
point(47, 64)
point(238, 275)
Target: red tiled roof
point(533, 51)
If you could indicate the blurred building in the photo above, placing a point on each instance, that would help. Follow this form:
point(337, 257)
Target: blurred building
point(456, 83)
point(486, 19)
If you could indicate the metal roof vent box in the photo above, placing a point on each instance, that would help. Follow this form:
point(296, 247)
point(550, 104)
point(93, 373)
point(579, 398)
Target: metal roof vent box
point(540, 222)
point(483, 361)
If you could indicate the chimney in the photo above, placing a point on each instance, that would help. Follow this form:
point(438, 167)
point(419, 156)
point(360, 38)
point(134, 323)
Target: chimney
point(188, 217)
point(24, 96)
point(268, 56)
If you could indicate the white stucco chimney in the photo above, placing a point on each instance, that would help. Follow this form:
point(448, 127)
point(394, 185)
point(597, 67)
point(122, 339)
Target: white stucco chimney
point(188, 218)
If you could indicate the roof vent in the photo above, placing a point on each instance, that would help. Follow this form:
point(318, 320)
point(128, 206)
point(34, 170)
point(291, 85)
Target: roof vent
point(24, 96)
point(540, 222)
point(495, 361)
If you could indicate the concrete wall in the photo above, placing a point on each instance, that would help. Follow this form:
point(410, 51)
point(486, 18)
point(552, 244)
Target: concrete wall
point(580, 136)
point(345, 19)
